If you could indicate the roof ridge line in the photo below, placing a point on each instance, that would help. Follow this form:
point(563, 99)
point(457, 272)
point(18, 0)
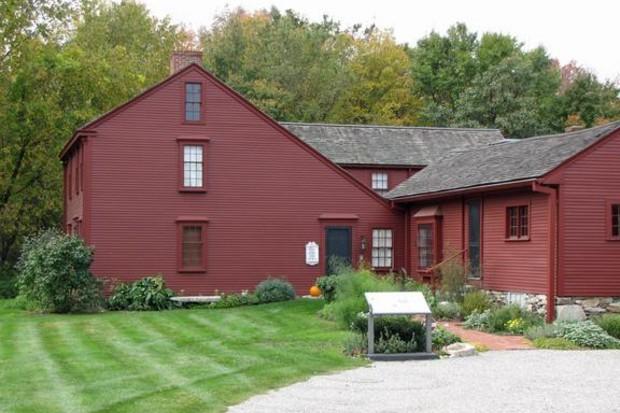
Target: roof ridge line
point(371, 126)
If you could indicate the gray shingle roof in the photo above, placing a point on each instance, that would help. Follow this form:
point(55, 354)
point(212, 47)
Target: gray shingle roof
point(500, 163)
point(388, 145)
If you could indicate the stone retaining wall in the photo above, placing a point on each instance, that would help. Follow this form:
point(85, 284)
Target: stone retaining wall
point(537, 303)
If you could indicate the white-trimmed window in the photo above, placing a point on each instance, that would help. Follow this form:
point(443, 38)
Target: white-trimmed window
point(380, 181)
point(382, 248)
point(192, 166)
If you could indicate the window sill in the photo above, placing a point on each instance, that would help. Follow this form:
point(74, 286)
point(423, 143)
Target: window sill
point(194, 122)
point(192, 270)
point(196, 190)
point(613, 238)
point(523, 239)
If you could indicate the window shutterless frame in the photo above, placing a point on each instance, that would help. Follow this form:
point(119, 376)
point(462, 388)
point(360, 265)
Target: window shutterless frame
point(192, 244)
point(193, 103)
point(382, 248)
point(191, 166)
point(612, 220)
point(425, 244)
point(518, 219)
point(379, 181)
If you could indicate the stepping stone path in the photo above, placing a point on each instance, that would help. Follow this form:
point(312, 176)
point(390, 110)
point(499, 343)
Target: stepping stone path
point(487, 340)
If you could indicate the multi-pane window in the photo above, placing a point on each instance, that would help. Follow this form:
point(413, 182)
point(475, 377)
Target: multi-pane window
point(380, 181)
point(517, 222)
point(192, 247)
point(382, 248)
point(193, 166)
point(425, 246)
point(615, 220)
point(193, 101)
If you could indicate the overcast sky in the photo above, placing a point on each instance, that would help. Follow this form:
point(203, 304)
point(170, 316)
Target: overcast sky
point(587, 31)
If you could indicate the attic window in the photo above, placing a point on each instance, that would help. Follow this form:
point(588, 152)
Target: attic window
point(380, 181)
point(193, 102)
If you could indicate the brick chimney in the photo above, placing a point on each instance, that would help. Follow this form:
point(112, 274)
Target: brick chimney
point(181, 59)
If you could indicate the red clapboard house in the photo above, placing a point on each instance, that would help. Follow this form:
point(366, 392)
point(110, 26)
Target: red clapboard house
point(191, 181)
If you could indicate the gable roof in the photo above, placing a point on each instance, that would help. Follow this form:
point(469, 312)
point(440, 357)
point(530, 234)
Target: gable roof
point(86, 128)
point(388, 145)
point(500, 163)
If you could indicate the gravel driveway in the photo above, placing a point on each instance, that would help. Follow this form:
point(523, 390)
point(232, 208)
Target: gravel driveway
point(508, 381)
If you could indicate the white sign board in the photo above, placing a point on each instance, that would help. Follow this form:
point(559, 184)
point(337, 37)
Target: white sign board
point(312, 253)
point(397, 303)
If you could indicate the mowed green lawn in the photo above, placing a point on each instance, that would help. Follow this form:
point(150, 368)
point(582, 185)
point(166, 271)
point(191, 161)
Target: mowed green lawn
point(173, 361)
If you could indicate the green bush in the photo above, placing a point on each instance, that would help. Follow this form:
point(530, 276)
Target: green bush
point(8, 285)
point(409, 284)
point(542, 331)
point(475, 301)
point(405, 328)
point(235, 300)
point(511, 318)
point(610, 323)
point(146, 294)
point(477, 321)
point(356, 345)
point(349, 298)
point(327, 285)
point(554, 343)
point(393, 344)
point(410, 333)
point(447, 310)
point(442, 338)
point(587, 334)
point(273, 290)
point(54, 274)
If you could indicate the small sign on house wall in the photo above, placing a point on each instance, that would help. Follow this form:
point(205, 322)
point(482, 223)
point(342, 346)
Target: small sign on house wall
point(312, 253)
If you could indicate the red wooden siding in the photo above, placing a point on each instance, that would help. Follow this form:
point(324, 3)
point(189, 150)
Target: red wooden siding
point(589, 262)
point(395, 175)
point(519, 266)
point(264, 195)
point(452, 227)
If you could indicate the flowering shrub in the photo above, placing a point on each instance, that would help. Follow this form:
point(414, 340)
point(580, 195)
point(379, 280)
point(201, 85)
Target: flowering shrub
point(515, 326)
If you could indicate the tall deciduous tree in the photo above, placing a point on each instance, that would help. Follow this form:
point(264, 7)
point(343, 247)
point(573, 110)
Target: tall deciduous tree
point(379, 90)
point(289, 67)
point(52, 87)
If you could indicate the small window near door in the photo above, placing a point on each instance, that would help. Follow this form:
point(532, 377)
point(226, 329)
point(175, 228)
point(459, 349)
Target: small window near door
point(517, 223)
point(382, 248)
point(615, 221)
point(380, 182)
point(425, 246)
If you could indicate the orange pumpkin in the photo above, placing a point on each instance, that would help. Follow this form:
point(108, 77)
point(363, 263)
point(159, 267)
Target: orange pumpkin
point(315, 291)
